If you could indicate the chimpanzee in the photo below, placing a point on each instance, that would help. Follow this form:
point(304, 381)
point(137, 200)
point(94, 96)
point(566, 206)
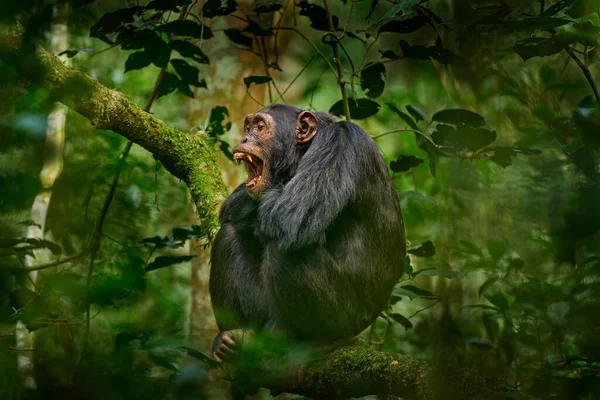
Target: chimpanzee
point(313, 243)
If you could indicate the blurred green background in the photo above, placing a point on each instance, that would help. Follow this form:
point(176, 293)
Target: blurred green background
point(508, 284)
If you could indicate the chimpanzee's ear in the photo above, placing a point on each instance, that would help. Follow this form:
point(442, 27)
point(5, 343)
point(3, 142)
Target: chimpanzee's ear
point(306, 127)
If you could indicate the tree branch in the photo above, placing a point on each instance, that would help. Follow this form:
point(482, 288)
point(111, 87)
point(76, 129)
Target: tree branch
point(586, 72)
point(188, 157)
point(357, 371)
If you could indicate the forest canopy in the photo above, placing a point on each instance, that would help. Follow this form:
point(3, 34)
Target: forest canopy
point(117, 124)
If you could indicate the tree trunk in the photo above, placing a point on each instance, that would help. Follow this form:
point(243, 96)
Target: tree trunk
point(53, 162)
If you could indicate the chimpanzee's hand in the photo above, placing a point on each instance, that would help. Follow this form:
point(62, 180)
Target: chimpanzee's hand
point(227, 344)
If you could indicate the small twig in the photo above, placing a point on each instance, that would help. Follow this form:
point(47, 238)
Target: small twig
point(253, 98)
point(336, 57)
point(296, 77)
point(303, 36)
point(426, 308)
point(58, 262)
point(586, 72)
point(397, 131)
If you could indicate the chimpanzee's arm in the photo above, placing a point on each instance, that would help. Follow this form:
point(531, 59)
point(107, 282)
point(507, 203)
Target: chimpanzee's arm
point(340, 158)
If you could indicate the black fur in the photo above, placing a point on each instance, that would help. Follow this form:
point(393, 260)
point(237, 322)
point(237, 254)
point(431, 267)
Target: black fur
point(317, 255)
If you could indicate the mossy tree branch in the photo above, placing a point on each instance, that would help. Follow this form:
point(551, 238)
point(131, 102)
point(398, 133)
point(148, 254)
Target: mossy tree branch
point(188, 157)
point(358, 370)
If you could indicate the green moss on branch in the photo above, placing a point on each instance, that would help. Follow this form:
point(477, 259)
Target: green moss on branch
point(190, 158)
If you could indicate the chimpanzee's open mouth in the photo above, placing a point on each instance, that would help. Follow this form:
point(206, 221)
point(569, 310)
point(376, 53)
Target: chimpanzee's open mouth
point(254, 165)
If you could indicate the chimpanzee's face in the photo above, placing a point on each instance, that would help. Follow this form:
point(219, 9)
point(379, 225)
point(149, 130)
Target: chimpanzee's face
point(259, 131)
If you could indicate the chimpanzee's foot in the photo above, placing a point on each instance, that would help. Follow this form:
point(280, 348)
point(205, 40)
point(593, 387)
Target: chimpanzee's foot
point(227, 344)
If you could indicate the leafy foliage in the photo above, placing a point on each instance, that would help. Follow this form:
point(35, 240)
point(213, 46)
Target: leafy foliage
point(490, 124)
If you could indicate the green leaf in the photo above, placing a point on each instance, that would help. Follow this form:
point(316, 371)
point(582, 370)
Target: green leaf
point(426, 249)
point(236, 36)
point(418, 292)
point(216, 8)
point(187, 28)
point(432, 153)
point(372, 79)
point(359, 109)
point(157, 241)
point(256, 79)
point(170, 83)
point(405, 7)
point(405, 117)
point(417, 113)
point(499, 300)
point(154, 47)
point(29, 222)
point(502, 155)
point(405, 163)
point(110, 23)
point(442, 273)
point(72, 53)
point(496, 249)
point(258, 26)
point(317, 15)
point(459, 116)
point(137, 60)
point(558, 7)
point(406, 24)
point(401, 319)
point(188, 50)
point(486, 285)
point(187, 73)
point(540, 47)
point(470, 247)
point(166, 261)
point(482, 306)
point(534, 23)
point(198, 355)
point(437, 52)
